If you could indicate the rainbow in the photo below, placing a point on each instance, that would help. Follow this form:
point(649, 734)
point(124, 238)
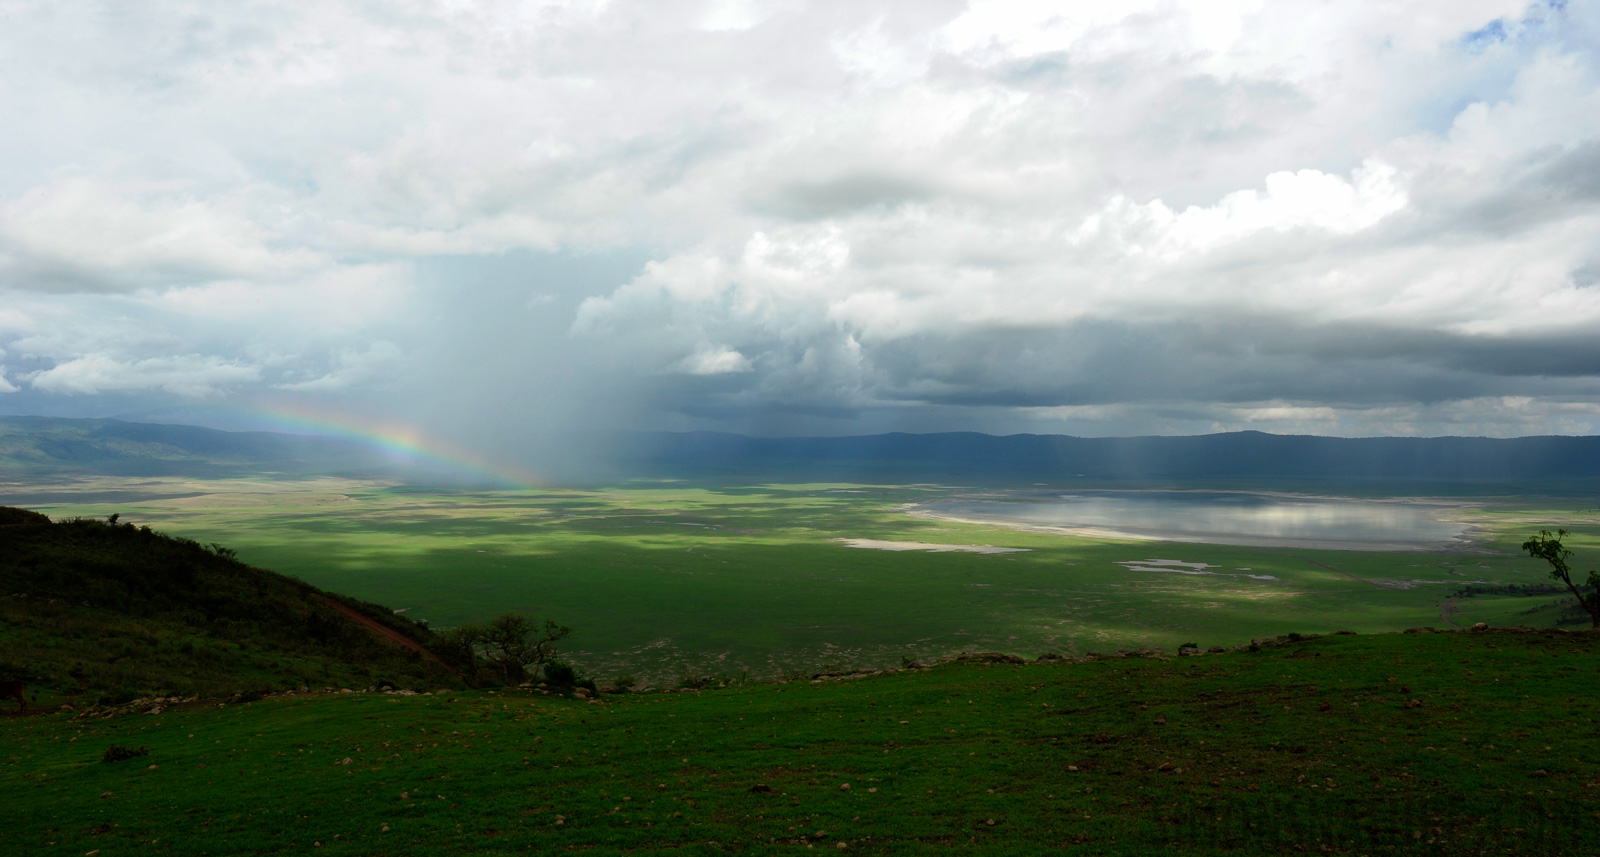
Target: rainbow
point(395, 441)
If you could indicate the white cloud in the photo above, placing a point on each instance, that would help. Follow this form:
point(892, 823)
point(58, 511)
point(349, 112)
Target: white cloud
point(189, 375)
point(990, 206)
point(82, 233)
point(714, 361)
point(351, 367)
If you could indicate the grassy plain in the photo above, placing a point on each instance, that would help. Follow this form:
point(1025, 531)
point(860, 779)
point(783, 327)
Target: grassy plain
point(1461, 743)
point(666, 579)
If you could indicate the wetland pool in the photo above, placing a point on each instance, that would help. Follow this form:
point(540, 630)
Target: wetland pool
point(1222, 518)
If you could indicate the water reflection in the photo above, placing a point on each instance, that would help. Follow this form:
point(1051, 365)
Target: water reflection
point(1219, 517)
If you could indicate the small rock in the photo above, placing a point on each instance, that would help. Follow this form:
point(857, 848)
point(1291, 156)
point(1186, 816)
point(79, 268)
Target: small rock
point(761, 788)
point(1541, 773)
point(844, 787)
point(1165, 766)
point(384, 829)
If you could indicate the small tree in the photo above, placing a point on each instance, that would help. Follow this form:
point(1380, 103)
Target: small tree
point(513, 643)
point(1548, 547)
point(459, 646)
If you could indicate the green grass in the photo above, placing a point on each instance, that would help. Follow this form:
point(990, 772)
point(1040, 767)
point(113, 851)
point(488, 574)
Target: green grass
point(1300, 746)
point(662, 579)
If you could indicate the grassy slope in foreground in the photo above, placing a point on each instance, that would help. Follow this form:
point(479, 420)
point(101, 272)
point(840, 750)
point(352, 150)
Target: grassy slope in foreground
point(117, 612)
point(1306, 745)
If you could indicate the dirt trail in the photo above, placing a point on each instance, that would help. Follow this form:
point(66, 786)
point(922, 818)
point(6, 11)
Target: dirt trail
point(1345, 573)
point(383, 631)
point(1447, 608)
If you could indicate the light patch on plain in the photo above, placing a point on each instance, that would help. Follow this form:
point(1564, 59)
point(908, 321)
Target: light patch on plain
point(881, 545)
point(1178, 566)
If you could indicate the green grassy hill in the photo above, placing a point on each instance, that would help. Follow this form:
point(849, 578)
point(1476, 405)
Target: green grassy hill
point(113, 612)
point(1458, 743)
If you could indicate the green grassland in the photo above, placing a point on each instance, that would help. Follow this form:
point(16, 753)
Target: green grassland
point(1459, 743)
point(665, 579)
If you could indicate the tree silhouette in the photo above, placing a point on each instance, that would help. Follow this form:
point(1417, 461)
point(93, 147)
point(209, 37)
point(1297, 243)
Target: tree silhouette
point(1547, 546)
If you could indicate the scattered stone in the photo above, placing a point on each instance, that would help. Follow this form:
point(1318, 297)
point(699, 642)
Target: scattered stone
point(1167, 766)
point(761, 788)
point(1540, 774)
point(1481, 626)
point(844, 787)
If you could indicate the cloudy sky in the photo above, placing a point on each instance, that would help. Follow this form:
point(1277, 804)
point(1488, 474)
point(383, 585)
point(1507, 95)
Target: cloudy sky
point(493, 220)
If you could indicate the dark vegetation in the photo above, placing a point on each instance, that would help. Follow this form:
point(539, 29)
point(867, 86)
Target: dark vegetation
point(509, 649)
point(111, 612)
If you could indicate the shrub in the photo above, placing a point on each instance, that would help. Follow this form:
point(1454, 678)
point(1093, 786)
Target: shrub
point(119, 753)
point(560, 674)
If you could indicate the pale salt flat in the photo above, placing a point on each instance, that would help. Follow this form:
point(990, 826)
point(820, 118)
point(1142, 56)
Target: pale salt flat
point(1178, 566)
point(881, 545)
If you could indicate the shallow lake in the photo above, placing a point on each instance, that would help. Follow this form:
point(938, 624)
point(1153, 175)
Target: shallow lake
point(1223, 517)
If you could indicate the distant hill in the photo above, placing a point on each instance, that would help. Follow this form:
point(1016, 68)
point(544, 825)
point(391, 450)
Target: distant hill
point(983, 458)
point(42, 446)
point(34, 447)
point(118, 612)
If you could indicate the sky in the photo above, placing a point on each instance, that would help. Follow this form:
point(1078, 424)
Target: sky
point(497, 221)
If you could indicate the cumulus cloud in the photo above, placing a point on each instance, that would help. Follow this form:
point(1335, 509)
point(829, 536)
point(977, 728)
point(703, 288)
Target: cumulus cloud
point(1149, 216)
point(188, 375)
point(351, 367)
